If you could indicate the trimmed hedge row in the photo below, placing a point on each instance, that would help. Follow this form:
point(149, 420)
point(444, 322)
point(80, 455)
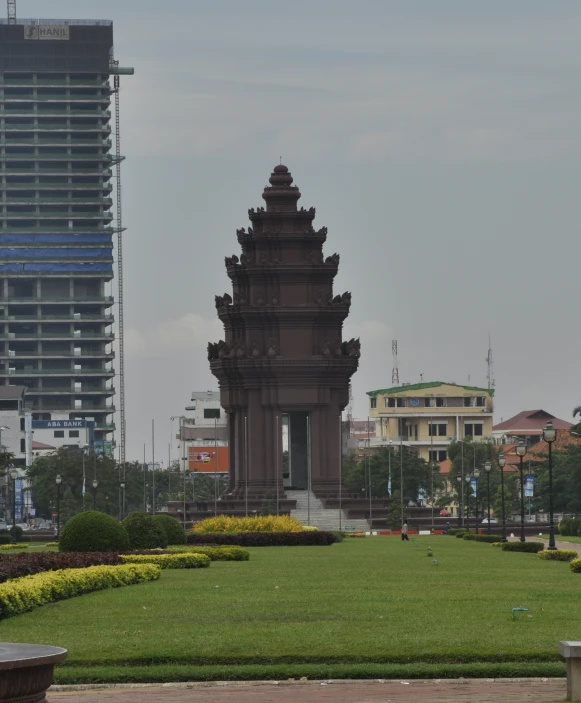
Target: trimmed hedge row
point(21, 595)
point(472, 536)
point(263, 539)
point(169, 561)
point(570, 526)
point(558, 554)
point(531, 547)
point(215, 553)
point(14, 566)
point(250, 523)
point(10, 547)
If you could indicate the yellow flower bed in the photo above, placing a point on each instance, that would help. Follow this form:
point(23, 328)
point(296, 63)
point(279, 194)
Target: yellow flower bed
point(256, 523)
point(169, 561)
point(12, 545)
point(22, 594)
point(51, 544)
point(224, 553)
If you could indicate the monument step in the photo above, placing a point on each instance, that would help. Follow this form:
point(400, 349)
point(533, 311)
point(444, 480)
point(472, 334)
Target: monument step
point(311, 511)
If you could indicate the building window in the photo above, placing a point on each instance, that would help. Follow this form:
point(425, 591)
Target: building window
point(59, 434)
point(23, 445)
point(480, 402)
point(211, 413)
point(401, 402)
point(438, 455)
point(440, 402)
point(429, 402)
point(437, 429)
point(467, 402)
point(73, 433)
point(473, 429)
point(22, 427)
point(373, 403)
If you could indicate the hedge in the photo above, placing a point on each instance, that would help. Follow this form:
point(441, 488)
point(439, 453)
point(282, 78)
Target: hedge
point(576, 566)
point(144, 532)
point(9, 547)
point(215, 553)
point(169, 561)
point(532, 547)
point(173, 529)
point(472, 536)
point(454, 530)
point(264, 539)
point(21, 595)
point(93, 531)
point(255, 523)
point(558, 554)
point(460, 533)
point(17, 565)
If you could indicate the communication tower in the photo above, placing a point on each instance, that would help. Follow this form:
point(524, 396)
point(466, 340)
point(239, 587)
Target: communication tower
point(395, 369)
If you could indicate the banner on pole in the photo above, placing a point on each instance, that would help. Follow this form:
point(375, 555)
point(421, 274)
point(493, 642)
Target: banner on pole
point(474, 485)
point(529, 486)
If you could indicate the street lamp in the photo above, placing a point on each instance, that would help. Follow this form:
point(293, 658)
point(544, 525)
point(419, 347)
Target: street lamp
point(95, 484)
point(13, 476)
point(487, 468)
point(476, 473)
point(521, 450)
point(549, 435)
point(122, 496)
point(460, 489)
point(184, 459)
point(58, 481)
point(467, 503)
point(502, 463)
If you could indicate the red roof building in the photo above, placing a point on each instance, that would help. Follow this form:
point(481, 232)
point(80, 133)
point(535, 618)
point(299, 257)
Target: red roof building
point(527, 425)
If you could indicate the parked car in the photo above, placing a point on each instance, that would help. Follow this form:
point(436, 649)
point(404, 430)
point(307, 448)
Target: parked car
point(493, 521)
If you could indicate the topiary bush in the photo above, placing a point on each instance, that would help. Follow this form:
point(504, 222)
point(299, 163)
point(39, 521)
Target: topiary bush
point(93, 531)
point(558, 554)
point(5, 537)
point(173, 529)
point(144, 532)
point(473, 537)
point(460, 533)
point(531, 547)
point(575, 566)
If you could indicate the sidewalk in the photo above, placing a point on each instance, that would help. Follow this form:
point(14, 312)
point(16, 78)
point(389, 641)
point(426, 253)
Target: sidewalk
point(560, 544)
point(437, 691)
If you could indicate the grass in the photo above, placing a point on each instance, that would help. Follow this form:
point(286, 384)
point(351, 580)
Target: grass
point(565, 538)
point(374, 607)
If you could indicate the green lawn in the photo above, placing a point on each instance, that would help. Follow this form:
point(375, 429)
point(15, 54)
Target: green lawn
point(565, 538)
point(370, 607)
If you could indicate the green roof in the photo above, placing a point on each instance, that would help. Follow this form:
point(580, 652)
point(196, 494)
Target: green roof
point(433, 384)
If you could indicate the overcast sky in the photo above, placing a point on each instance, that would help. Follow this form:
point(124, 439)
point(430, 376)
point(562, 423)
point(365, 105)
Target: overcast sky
point(439, 141)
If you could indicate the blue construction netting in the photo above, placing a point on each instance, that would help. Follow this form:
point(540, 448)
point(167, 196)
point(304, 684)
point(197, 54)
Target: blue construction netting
point(77, 253)
point(56, 239)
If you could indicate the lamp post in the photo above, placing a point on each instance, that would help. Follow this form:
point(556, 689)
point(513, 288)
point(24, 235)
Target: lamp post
point(460, 489)
point(549, 435)
point(521, 450)
point(184, 459)
point(95, 484)
point(502, 464)
point(58, 481)
point(467, 504)
point(488, 468)
point(476, 476)
point(122, 501)
point(13, 476)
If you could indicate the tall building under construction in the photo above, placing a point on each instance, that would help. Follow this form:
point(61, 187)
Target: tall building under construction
point(59, 212)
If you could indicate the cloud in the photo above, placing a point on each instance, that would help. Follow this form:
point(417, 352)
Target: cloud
point(172, 337)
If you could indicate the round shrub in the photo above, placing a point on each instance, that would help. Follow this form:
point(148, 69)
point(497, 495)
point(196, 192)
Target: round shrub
point(173, 529)
point(558, 554)
point(144, 532)
point(565, 527)
point(5, 537)
point(575, 565)
point(93, 531)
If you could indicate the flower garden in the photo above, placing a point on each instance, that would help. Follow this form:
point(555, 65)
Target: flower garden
point(374, 607)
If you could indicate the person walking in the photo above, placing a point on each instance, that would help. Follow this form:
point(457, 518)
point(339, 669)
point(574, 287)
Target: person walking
point(404, 532)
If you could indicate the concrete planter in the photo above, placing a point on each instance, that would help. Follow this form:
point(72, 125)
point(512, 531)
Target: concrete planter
point(26, 671)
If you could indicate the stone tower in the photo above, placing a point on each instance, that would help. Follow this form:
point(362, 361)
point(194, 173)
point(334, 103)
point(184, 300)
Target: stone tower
point(283, 367)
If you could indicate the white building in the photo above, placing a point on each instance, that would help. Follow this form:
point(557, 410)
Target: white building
point(204, 436)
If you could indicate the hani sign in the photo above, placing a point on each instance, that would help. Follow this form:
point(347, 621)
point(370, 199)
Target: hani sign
point(61, 424)
point(46, 31)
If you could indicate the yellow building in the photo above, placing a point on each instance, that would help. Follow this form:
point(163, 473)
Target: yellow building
point(428, 416)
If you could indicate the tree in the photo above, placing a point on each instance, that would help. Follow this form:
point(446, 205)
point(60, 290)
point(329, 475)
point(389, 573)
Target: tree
point(394, 511)
point(69, 506)
point(269, 505)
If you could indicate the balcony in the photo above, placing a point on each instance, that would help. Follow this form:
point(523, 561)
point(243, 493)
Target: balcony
point(15, 354)
point(64, 215)
point(106, 300)
point(96, 336)
point(60, 157)
point(109, 373)
point(64, 316)
point(19, 112)
point(62, 200)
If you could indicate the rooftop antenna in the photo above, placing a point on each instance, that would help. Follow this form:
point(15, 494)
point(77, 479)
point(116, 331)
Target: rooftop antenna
point(11, 11)
point(490, 366)
point(394, 369)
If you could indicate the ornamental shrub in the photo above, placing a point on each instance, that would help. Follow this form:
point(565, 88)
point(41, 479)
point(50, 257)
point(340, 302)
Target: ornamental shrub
point(14, 566)
point(473, 537)
point(354, 534)
point(173, 529)
point(575, 566)
point(93, 531)
point(20, 595)
point(14, 545)
point(5, 537)
point(310, 528)
point(263, 539)
point(257, 523)
point(564, 527)
point(533, 547)
point(338, 535)
point(16, 531)
point(169, 561)
point(497, 544)
point(575, 527)
point(460, 533)
point(558, 554)
point(144, 532)
point(225, 553)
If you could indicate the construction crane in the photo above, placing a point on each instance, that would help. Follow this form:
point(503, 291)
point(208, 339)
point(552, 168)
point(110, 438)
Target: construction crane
point(11, 11)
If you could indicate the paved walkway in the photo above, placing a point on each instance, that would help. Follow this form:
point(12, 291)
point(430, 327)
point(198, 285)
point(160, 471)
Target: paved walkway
point(558, 543)
point(450, 691)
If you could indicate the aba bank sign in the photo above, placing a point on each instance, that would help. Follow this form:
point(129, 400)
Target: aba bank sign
point(61, 424)
point(46, 31)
